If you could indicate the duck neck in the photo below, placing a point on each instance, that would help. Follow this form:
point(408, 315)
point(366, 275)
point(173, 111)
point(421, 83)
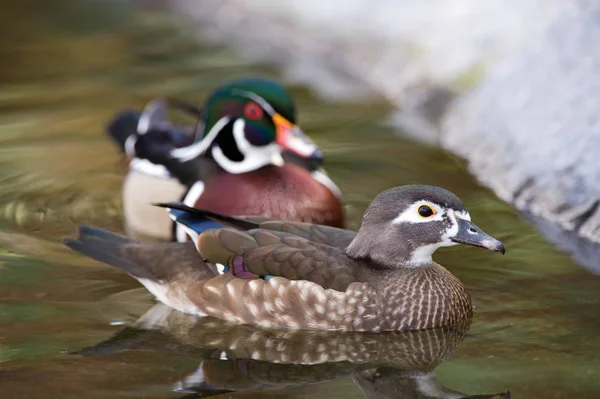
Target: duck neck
point(384, 249)
point(235, 154)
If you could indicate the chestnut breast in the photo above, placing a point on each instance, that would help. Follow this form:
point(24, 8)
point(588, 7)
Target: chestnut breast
point(288, 192)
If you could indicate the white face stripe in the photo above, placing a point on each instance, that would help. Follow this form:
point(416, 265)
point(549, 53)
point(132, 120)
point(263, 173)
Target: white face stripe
point(239, 136)
point(192, 151)
point(411, 214)
point(257, 99)
point(254, 157)
point(422, 255)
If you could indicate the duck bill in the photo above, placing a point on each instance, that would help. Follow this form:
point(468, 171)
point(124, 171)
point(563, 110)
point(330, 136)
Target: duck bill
point(292, 139)
point(470, 234)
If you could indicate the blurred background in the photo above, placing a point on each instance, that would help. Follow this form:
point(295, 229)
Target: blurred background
point(495, 101)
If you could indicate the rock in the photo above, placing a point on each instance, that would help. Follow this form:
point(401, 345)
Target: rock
point(531, 128)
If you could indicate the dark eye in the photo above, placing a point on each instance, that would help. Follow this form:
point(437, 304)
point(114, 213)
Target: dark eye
point(253, 111)
point(426, 211)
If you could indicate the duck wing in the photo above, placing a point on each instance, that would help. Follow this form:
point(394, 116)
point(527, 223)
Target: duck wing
point(198, 220)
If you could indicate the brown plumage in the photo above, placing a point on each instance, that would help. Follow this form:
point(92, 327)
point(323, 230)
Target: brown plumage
point(320, 288)
point(300, 276)
point(288, 192)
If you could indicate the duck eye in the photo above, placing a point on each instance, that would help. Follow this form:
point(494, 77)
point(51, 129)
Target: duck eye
point(253, 111)
point(426, 211)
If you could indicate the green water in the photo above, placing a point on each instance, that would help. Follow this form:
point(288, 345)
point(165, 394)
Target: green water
point(67, 66)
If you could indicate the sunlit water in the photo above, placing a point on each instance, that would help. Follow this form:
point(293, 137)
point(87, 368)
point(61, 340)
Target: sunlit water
point(66, 68)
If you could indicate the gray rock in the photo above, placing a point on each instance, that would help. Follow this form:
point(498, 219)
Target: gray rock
point(531, 128)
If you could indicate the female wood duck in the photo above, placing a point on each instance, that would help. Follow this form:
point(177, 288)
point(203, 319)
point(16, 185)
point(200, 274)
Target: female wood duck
point(321, 278)
point(247, 157)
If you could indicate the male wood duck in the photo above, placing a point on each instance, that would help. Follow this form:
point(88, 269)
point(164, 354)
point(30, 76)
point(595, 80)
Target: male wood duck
point(279, 274)
point(246, 157)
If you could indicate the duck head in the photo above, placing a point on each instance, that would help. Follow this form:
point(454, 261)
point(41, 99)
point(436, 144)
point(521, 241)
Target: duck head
point(247, 124)
point(404, 226)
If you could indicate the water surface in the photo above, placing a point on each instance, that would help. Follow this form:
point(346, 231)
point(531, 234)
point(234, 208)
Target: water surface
point(68, 66)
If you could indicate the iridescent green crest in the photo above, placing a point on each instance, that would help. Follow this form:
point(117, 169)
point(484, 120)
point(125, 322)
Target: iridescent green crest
point(247, 98)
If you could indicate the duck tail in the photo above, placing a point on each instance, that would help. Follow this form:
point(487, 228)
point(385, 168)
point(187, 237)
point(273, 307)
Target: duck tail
point(107, 247)
point(167, 269)
point(122, 126)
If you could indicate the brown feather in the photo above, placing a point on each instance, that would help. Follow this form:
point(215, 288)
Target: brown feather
point(283, 254)
point(288, 192)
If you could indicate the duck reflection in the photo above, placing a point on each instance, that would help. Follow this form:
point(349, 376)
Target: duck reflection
point(240, 357)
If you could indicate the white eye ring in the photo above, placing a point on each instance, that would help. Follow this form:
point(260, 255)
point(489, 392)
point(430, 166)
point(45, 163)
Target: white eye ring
point(411, 214)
